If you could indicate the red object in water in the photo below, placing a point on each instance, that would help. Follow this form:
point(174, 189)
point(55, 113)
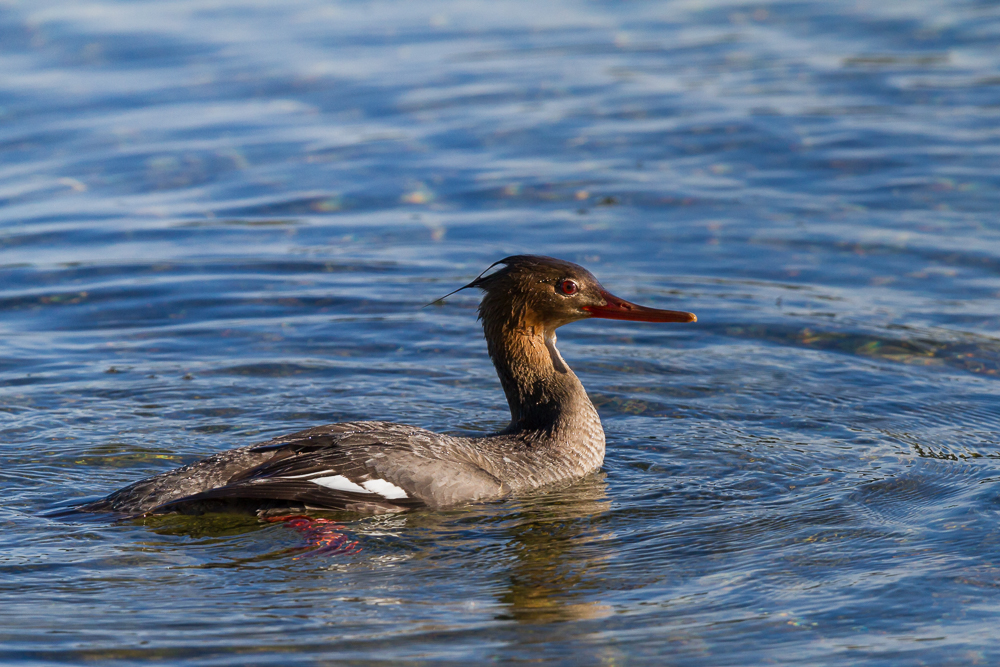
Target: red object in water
point(322, 535)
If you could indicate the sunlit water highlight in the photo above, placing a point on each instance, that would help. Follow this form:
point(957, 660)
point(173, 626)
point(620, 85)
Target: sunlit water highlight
point(219, 222)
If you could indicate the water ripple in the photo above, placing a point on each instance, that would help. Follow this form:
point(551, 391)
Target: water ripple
point(220, 223)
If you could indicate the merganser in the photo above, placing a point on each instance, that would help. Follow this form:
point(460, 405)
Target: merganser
point(554, 435)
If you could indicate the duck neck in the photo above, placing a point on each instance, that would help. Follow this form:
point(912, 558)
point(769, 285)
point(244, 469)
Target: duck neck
point(542, 392)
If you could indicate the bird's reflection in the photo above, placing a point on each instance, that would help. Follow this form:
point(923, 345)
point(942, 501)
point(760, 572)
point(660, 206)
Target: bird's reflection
point(557, 541)
point(554, 540)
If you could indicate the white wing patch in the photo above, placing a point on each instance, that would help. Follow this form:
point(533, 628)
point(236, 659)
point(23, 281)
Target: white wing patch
point(308, 474)
point(384, 489)
point(339, 483)
point(381, 487)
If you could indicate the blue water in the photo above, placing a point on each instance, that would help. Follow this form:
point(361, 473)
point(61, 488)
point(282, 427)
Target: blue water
point(219, 222)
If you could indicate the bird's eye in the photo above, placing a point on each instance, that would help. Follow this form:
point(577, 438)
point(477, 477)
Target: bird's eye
point(569, 287)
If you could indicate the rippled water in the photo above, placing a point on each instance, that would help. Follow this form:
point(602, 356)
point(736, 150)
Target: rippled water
point(219, 222)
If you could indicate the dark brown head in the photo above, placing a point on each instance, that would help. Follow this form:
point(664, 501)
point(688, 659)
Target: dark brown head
point(523, 303)
point(546, 293)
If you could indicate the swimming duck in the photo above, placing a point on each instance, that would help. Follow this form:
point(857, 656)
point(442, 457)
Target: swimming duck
point(554, 436)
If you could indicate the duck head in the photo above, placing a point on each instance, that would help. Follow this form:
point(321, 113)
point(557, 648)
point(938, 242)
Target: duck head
point(539, 294)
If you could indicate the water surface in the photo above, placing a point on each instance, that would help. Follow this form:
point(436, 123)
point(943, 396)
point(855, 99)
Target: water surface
point(219, 222)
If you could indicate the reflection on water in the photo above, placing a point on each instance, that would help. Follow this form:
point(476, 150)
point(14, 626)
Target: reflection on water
point(220, 223)
point(552, 546)
point(557, 556)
